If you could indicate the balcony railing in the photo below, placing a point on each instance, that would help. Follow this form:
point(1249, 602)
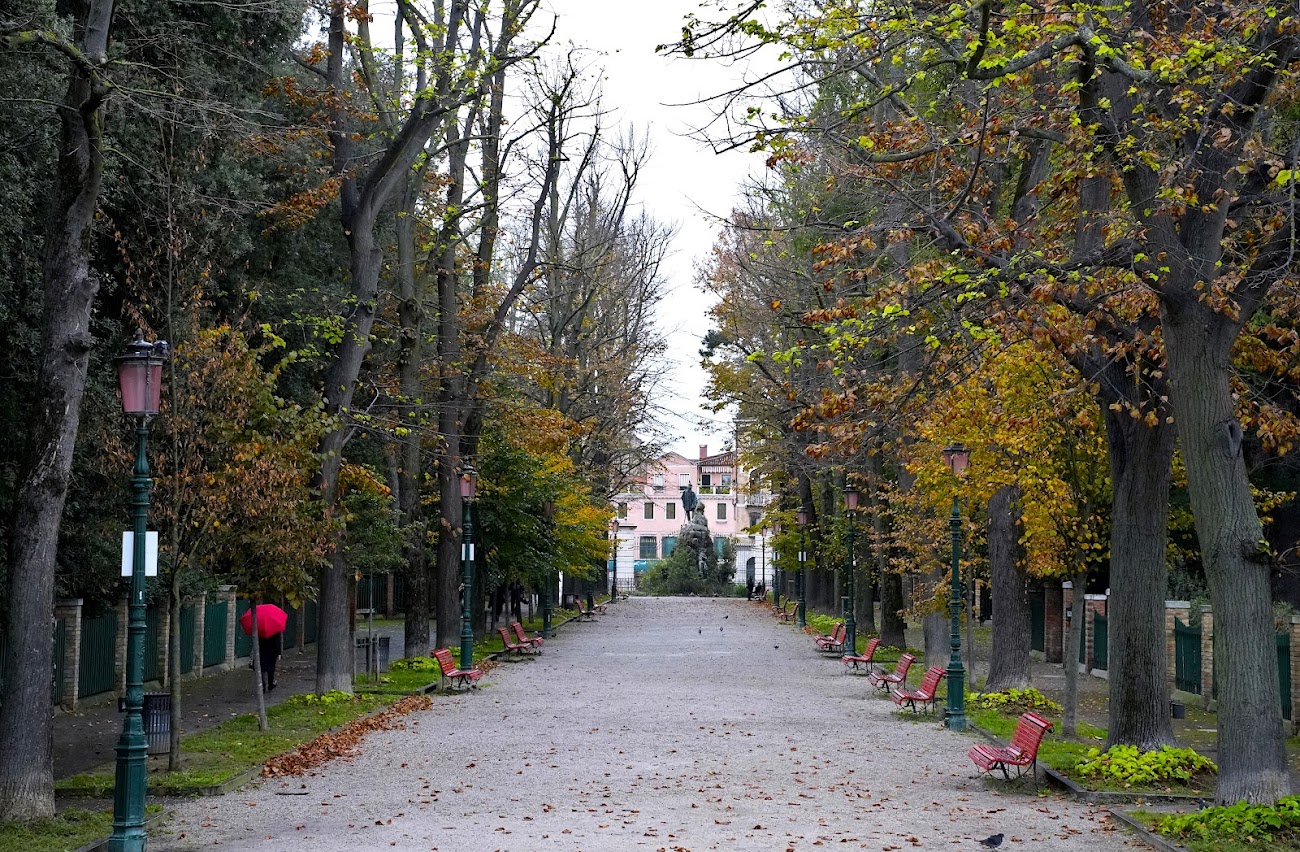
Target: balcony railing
point(715, 489)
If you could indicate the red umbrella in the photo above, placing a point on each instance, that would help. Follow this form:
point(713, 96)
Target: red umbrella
point(270, 620)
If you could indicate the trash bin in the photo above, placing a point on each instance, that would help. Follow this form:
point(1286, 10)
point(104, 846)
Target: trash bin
point(385, 648)
point(157, 713)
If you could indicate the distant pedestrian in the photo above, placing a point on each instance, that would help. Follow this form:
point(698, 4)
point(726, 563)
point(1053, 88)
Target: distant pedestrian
point(268, 648)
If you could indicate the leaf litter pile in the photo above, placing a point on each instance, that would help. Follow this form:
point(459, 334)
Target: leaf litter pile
point(345, 742)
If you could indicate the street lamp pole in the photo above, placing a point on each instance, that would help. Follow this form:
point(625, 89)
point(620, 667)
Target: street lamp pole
point(850, 584)
point(957, 457)
point(801, 613)
point(140, 379)
point(548, 515)
point(777, 578)
point(468, 489)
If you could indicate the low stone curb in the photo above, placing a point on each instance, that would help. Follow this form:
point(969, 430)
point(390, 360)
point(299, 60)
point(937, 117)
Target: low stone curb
point(1145, 833)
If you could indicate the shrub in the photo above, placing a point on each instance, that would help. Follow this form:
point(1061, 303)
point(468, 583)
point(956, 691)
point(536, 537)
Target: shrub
point(414, 664)
point(1013, 702)
point(1126, 765)
point(1238, 823)
point(334, 696)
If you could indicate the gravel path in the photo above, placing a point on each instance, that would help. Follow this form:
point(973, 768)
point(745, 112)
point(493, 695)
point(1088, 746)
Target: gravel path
point(669, 724)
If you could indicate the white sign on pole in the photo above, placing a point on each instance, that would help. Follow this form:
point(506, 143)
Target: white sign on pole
point(150, 553)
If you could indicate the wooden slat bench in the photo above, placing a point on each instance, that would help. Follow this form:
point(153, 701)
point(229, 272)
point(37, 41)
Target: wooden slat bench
point(535, 641)
point(1021, 752)
point(882, 679)
point(451, 673)
point(923, 693)
point(517, 648)
point(835, 641)
point(858, 661)
point(787, 612)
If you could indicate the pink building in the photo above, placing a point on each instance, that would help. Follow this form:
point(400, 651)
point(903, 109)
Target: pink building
point(650, 513)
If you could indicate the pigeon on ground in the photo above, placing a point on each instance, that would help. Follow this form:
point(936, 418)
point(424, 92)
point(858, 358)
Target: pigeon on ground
point(700, 631)
point(778, 647)
point(992, 841)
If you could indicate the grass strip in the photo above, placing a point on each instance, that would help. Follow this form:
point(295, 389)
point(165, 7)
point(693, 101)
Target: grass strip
point(212, 757)
point(67, 830)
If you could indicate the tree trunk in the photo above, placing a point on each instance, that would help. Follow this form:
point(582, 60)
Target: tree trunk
point(892, 626)
point(410, 471)
point(26, 725)
point(1009, 655)
point(1140, 457)
point(936, 625)
point(1252, 748)
point(1073, 640)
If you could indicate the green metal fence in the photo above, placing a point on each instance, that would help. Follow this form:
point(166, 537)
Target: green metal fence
point(1187, 657)
point(291, 628)
point(214, 632)
point(309, 610)
point(98, 655)
point(1037, 622)
point(60, 654)
point(1284, 671)
point(243, 641)
point(152, 640)
point(1100, 655)
point(187, 638)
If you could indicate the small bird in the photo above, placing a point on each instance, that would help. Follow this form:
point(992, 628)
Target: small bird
point(700, 631)
point(726, 616)
point(993, 841)
point(778, 647)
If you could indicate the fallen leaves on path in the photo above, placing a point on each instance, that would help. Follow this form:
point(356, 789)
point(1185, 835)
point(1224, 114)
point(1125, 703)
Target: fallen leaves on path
point(345, 742)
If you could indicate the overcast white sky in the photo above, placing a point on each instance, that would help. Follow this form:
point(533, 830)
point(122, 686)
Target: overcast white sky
point(684, 183)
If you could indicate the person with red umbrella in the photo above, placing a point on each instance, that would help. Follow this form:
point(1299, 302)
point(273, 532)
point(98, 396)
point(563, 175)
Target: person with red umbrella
point(271, 621)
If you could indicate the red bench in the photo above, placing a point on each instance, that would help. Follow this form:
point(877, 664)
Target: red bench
point(834, 641)
point(863, 659)
point(882, 679)
point(1021, 752)
point(923, 693)
point(788, 611)
point(535, 641)
point(509, 644)
point(451, 673)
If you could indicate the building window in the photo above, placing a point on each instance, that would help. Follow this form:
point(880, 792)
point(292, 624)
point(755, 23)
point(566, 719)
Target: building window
point(753, 519)
point(670, 511)
point(657, 480)
point(622, 510)
point(648, 545)
point(670, 544)
point(649, 511)
point(683, 479)
point(722, 511)
point(706, 479)
point(726, 479)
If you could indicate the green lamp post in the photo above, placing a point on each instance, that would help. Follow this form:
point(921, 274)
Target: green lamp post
point(801, 613)
point(777, 573)
point(468, 490)
point(850, 582)
point(957, 457)
point(139, 375)
point(548, 582)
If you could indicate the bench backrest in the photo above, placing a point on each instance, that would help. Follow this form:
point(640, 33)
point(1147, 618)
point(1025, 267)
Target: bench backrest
point(445, 662)
point(1029, 733)
point(506, 641)
point(872, 645)
point(519, 631)
point(841, 633)
point(930, 682)
point(904, 663)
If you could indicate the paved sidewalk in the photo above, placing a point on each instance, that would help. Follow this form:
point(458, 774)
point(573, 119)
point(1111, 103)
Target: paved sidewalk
point(86, 739)
point(669, 724)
